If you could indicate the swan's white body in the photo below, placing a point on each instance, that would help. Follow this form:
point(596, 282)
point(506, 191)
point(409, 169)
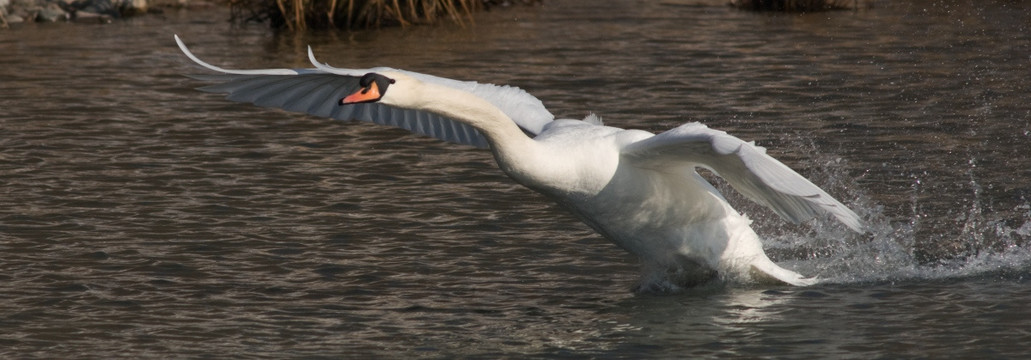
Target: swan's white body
point(637, 189)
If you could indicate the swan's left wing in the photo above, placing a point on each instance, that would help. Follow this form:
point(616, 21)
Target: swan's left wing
point(745, 166)
point(317, 91)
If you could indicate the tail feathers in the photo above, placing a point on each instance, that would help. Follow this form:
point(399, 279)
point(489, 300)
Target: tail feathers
point(769, 273)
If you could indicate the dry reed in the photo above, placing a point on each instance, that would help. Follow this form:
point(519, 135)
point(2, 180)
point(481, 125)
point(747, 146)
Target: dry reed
point(321, 14)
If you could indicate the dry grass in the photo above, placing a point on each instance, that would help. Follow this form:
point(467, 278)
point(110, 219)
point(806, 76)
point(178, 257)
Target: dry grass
point(320, 14)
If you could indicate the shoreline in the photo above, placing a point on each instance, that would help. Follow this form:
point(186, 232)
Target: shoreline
point(16, 12)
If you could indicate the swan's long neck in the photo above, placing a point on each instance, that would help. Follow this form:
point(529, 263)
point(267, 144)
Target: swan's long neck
point(511, 147)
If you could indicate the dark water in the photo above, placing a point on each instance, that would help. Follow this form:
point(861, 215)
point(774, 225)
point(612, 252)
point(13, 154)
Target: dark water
point(141, 218)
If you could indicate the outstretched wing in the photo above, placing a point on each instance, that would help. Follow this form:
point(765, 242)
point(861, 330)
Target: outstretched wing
point(317, 91)
point(745, 166)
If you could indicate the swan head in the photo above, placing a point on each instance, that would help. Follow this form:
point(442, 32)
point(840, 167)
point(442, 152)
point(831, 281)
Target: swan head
point(372, 87)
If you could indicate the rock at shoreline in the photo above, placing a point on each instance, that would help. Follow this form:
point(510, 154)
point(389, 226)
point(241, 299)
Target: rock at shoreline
point(16, 11)
point(52, 12)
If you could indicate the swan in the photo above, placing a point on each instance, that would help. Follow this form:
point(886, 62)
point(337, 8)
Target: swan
point(638, 189)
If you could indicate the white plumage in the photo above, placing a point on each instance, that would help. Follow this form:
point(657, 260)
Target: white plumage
point(637, 189)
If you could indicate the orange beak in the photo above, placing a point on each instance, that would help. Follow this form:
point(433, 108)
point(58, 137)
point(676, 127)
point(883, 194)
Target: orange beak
point(368, 94)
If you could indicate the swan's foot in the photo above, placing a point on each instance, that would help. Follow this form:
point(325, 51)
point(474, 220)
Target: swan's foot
point(666, 287)
point(686, 274)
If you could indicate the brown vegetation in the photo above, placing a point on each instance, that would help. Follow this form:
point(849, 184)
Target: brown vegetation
point(319, 14)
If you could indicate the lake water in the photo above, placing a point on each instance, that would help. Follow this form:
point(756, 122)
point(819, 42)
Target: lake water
point(143, 219)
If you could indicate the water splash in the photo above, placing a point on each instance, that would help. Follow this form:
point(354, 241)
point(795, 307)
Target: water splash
point(984, 244)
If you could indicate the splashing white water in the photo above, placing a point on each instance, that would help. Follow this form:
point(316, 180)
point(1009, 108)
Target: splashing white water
point(982, 242)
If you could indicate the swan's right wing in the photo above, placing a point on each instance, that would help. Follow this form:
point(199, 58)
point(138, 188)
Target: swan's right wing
point(318, 91)
point(745, 166)
point(319, 94)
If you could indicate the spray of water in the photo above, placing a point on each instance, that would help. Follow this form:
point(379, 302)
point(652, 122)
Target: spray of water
point(981, 243)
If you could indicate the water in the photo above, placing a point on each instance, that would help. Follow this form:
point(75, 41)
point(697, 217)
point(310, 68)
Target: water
point(141, 218)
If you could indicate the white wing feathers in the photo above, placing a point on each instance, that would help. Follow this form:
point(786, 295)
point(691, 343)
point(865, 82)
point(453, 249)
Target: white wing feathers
point(745, 166)
point(318, 91)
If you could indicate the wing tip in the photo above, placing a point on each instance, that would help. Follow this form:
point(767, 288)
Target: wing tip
point(855, 224)
point(189, 54)
point(311, 58)
point(202, 63)
point(846, 217)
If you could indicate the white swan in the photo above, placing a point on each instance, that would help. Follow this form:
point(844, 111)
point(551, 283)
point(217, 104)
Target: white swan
point(637, 189)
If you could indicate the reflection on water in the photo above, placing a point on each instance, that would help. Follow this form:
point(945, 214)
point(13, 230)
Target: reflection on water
point(142, 217)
